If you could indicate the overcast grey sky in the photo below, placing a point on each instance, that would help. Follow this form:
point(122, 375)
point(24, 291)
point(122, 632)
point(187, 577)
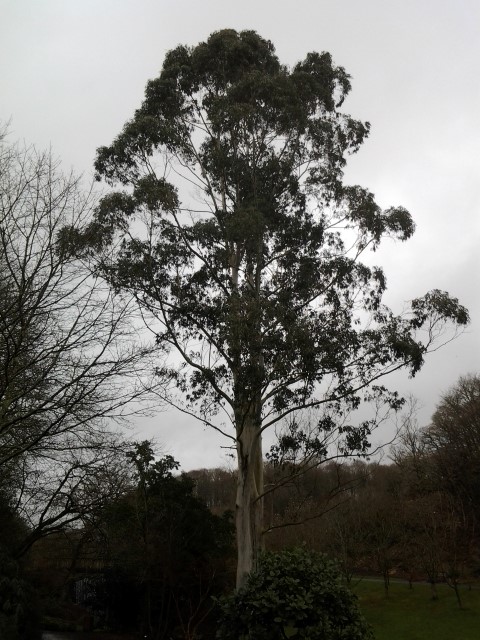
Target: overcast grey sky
point(73, 71)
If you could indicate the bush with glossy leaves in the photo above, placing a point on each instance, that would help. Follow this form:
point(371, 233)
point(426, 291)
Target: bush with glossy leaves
point(296, 594)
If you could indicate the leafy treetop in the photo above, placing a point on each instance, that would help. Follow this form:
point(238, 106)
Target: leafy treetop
point(267, 271)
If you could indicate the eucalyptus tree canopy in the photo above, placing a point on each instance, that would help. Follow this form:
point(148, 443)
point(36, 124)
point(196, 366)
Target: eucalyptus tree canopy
point(234, 230)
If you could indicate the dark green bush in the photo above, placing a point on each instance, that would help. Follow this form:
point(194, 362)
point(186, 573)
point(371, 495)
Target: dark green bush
point(19, 617)
point(293, 594)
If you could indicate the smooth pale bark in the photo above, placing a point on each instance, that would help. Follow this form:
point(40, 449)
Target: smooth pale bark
point(249, 502)
point(248, 422)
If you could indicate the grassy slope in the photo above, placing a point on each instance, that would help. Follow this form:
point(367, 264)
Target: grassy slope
point(411, 614)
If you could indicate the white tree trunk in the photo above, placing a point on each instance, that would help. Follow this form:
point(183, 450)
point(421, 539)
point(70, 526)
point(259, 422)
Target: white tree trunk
point(249, 503)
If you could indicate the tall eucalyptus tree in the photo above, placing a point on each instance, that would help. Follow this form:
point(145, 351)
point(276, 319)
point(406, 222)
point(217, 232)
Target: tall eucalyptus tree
point(235, 232)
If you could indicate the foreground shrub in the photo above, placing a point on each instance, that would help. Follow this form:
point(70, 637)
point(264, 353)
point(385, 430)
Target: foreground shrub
point(293, 594)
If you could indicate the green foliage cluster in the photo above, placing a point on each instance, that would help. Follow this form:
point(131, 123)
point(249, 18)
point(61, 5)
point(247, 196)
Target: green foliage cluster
point(19, 617)
point(165, 551)
point(265, 268)
point(293, 594)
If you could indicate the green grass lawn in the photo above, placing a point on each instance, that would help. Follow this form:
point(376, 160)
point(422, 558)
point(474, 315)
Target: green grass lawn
point(411, 614)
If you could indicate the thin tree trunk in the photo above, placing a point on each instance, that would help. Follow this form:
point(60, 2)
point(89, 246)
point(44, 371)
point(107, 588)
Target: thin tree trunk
point(457, 594)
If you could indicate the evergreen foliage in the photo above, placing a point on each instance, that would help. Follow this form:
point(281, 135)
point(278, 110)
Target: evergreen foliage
point(19, 613)
point(165, 551)
point(293, 594)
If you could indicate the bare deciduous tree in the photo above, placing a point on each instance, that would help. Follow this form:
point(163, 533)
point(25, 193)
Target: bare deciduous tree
point(70, 359)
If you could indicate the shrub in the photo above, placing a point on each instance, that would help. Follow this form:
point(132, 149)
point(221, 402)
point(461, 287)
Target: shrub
point(19, 618)
point(293, 594)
